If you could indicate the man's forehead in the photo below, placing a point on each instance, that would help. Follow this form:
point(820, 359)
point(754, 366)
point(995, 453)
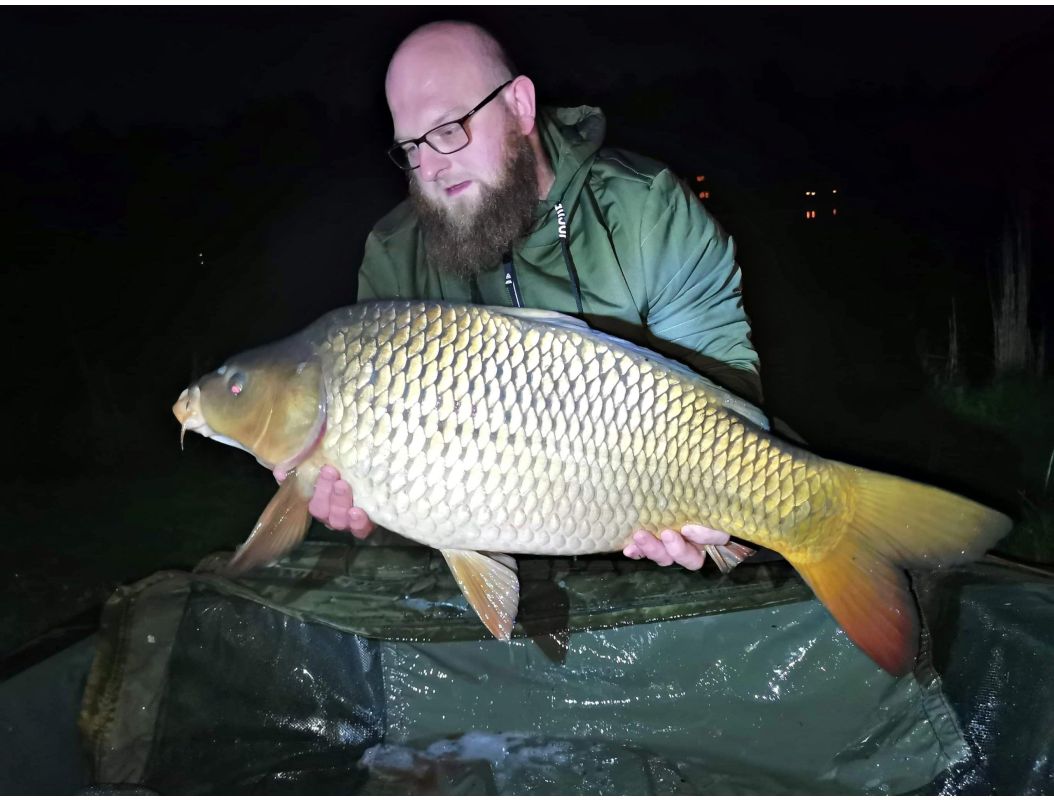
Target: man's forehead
point(416, 112)
point(433, 79)
point(444, 49)
point(419, 103)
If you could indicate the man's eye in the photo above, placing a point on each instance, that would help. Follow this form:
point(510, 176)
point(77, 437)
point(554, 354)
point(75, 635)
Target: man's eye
point(447, 131)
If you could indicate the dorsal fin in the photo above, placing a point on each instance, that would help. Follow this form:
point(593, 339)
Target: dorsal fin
point(732, 402)
point(554, 318)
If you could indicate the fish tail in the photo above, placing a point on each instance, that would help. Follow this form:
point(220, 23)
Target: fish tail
point(892, 524)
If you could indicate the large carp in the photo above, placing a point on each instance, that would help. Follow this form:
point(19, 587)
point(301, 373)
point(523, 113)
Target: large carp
point(484, 431)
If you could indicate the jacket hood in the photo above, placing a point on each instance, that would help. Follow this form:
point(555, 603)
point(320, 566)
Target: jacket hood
point(571, 138)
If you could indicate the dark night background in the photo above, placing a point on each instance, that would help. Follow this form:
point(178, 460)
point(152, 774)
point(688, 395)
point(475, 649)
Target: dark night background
point(180, 184)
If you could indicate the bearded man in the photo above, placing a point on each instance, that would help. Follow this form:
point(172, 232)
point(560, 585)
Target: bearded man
point(515, 205)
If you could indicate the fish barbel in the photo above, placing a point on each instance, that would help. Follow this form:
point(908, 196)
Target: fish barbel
point(484, 431)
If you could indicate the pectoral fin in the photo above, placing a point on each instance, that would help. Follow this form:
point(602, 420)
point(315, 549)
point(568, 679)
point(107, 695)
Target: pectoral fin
point(281, 527)
point(489, 582)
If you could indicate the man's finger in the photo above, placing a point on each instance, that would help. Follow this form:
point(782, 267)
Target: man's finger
point(684, 553)
point(338, 518)
point(324, 485)
point(702, 535)
point(632, 551)
point(340, 503)
point(320, 498)
point(342, 493)
point(359, 523)
point(334, 505)
point(652, 548)
point(318, 505)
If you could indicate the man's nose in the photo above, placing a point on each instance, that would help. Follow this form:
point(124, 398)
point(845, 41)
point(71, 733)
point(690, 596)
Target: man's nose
point(432, 162)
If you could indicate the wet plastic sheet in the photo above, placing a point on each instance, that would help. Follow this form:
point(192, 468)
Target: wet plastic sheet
point(676, 710)
point(997, 658)
point(361, 670)
point(40, 751)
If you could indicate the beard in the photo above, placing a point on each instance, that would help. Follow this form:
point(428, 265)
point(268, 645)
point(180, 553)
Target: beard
point(466, 242)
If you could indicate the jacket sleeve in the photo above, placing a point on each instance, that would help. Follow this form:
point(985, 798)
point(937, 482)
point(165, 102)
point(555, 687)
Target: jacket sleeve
point(693, 289)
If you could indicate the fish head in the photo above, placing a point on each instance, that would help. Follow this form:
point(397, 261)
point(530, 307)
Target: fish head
point(270, 402)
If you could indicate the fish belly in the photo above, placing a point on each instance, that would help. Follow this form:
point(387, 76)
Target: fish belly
point(460, 427)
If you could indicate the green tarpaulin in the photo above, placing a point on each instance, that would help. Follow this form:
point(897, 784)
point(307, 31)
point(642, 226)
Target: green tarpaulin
point(360, 669)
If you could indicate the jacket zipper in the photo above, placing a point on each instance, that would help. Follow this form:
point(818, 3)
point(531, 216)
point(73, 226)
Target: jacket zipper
point(511, 283)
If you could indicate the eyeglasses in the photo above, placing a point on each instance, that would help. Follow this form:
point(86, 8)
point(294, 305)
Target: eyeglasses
point(446, 139)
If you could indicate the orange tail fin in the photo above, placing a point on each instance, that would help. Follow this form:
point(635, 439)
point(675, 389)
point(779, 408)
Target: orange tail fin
point(895, 524)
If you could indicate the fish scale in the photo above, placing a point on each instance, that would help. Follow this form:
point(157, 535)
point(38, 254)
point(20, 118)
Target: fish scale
point(601, 441)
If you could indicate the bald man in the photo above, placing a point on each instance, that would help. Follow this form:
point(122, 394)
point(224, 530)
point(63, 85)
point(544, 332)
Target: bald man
point(515, 205)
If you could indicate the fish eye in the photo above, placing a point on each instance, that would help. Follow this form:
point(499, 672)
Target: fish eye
point(236, 383)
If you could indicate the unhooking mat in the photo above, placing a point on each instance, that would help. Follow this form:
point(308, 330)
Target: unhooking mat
point(356, 669)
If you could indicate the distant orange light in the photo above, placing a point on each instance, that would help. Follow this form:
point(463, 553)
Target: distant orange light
point(834, 191)
point(700, 178)
point(704, 195)
point(834, 212)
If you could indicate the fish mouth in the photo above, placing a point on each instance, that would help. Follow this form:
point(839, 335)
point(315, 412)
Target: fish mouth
point(188, 411)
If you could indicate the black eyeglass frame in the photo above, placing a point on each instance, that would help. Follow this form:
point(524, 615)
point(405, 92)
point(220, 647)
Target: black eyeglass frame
point(399, 146)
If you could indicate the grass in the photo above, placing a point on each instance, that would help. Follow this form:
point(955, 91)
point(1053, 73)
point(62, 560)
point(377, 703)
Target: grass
point(1018, 408)
point(1015, 404)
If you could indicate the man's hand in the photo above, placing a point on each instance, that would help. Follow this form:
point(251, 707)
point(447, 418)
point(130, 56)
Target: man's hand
point(333, 505)
point(684, 548)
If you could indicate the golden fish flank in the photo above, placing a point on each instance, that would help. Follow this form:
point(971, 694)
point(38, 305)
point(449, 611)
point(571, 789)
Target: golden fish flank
point(485, 448)
point(481, 430)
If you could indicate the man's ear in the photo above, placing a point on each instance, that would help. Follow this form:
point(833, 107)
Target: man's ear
point(519, 98)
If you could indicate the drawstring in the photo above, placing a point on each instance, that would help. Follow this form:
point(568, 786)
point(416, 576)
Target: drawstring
point(565, 248)
point(512, 284)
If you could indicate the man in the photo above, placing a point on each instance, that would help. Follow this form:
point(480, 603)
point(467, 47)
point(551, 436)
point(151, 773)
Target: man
point(513, 205)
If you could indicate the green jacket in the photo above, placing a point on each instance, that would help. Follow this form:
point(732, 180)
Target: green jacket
point(650, 264)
